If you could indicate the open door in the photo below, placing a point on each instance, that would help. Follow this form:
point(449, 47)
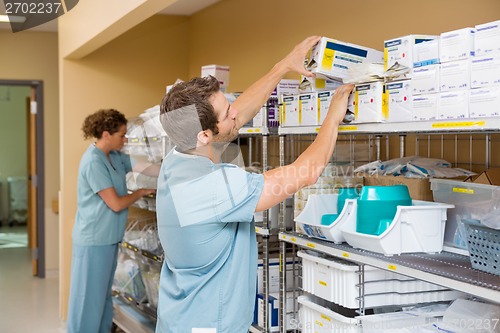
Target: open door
point(32, 180)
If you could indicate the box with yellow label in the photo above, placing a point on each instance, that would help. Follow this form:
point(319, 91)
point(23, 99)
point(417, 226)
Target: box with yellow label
point(399, 97)
point(308, 84)
point(289, 111)
point(332, 58)
point(369, 102)
point(324, 99)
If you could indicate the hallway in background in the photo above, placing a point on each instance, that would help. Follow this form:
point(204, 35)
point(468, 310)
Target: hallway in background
point(28, 304)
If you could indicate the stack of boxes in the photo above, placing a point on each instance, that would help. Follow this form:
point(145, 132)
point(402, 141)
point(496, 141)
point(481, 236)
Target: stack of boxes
point(455, 75)
point(418, 52)
point(330, 61)
point(484, 97)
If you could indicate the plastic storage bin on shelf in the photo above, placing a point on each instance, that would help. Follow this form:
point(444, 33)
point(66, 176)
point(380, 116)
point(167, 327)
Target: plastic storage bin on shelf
point(315, 318)
point(472, 201)
point(416, 228)
point(319, 205)
point(337, 280)
point(484, 247)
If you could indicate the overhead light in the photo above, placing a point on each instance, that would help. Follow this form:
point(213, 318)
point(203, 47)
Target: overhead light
point(12, 18)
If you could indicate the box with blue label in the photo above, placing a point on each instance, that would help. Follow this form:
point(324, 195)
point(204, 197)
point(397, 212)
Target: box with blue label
point(273, 313)
point(485, 71)
point(457, 45)
point(426, 53)
point(487, 38)
point(400, 50)
point(324, 99)
point(332, 58)
point(308, 109)
point(454, 75)
point(399, 97)
point(289, 115)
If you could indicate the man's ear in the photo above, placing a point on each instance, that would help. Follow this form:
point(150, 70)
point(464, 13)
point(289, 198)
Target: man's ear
point(105, 135)
point(204, 137)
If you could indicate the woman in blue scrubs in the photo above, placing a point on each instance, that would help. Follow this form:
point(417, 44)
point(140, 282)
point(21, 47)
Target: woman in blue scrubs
point(100, 221)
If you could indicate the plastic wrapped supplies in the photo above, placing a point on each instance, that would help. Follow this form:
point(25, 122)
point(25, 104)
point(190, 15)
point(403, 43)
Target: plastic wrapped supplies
point(414, 167)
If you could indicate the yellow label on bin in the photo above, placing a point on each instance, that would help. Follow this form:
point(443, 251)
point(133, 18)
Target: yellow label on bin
point(463, 190)
point(391, 267)
point(293, 239)
point(326, 317)
point(311, 245)
point(323, 283)
point(345, 254)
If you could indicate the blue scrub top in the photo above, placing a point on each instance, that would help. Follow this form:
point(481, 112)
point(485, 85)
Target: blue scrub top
point(96, 223)
point(205, 223)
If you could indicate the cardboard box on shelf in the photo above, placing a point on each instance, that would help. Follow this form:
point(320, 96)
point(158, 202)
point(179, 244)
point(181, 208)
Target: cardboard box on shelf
point(487, 177)
point(220, 72)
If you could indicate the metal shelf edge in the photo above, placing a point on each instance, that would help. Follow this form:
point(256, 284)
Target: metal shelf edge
point(431, 126)
point(309, 243)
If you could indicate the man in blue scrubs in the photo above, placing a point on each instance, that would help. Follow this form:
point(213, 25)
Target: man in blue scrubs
point(205, 207)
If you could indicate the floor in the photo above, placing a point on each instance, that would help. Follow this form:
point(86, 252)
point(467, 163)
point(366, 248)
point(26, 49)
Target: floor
point(27, 304)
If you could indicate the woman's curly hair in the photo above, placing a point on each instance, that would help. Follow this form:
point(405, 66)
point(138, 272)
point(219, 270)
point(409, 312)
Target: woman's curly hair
point(109, 120)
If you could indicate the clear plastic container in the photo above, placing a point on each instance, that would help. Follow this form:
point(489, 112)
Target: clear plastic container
point(472, 202)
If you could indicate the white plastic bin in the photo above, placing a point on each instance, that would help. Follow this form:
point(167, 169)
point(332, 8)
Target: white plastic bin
point(317, 319)
point(336, 280)
point(471, 201)
point(416, 228)
point(320, 204)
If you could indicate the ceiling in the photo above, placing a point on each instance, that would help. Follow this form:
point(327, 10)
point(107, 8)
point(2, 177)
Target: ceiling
point(180, 7)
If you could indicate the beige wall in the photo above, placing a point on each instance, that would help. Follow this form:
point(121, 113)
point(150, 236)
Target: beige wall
point(250, 36)
point(129, 74)
point(33, 56)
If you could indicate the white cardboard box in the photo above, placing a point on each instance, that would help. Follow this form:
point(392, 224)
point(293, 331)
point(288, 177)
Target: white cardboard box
point(425, 106)
point(484, 102)
point(311, 84)
point(286, 87)
point(399, 96)
point(308, 109)
point(457, 44)
point(485, 71)
point(289, 115)
point(324, 99)
point(258, 120)
point(487, 38)
point(400, 49)
point(368, 101)
point(332, 58)
point(221, 73)
point(454, 75)
point(426, 53)
point(425, 80)
point(453, 105)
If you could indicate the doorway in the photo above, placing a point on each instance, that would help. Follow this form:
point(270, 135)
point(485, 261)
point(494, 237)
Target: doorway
point(33, 148)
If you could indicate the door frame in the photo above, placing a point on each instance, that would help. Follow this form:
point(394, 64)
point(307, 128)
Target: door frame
point(40, 177)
